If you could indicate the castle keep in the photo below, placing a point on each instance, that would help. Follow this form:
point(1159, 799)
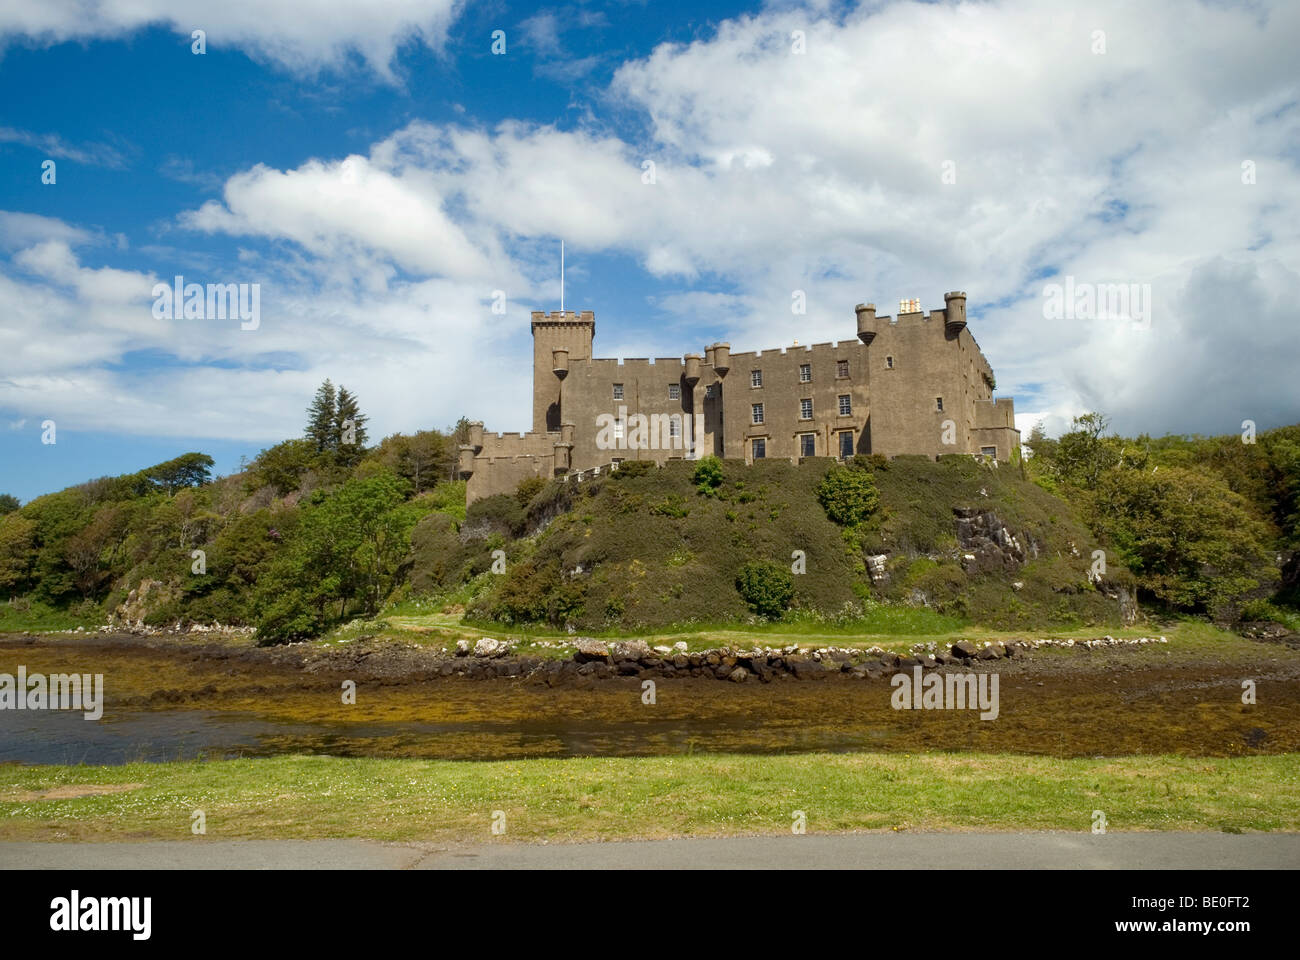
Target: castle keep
point(917, 384)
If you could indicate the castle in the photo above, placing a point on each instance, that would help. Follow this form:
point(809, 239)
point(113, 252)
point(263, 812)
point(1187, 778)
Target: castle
point(915, 385)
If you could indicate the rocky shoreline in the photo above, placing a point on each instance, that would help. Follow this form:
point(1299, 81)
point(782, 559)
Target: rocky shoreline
point(601, 660)
point(584, 659)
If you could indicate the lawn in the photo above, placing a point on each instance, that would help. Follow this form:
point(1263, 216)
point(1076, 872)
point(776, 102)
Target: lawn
point(623, 798)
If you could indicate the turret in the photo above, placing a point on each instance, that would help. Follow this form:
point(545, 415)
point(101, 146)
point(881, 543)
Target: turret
point(692, 369)
point(476, 435)
point(954, 312)
point(560, 362)
point(465, 460)
point(866, 322)
point(722, 358)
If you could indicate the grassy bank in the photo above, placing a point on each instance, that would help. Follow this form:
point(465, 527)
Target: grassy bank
point(441, 630)
point(703, 795)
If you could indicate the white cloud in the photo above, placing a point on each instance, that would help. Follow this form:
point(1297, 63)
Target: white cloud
point(302, 35)
point(774, 172)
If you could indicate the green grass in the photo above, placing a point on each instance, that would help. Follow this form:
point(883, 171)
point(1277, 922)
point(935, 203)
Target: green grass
point(703, 795)
point(36, 616)
point(889, 627)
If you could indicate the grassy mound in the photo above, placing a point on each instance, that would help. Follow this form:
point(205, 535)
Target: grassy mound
point(645, 547)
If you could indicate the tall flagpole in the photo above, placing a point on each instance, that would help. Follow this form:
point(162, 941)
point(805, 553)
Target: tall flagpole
point(561, 278)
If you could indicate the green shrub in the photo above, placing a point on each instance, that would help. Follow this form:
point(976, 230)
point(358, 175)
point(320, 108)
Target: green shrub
point(767, 587)
point(500, 512)
point(632, 468)
point(848, 496)
point(528, 488)
point(708, 476)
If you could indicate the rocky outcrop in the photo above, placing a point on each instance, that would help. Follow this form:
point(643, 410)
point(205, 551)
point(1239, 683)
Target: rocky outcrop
point(986, 544)
point(140, 602)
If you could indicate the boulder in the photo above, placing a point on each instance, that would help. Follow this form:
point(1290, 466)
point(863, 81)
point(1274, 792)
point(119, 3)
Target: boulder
point(631, 650)
point(487, 647)
point(806, 668)
point(966, 649)
point(462, 648)
point(994, 651)
point(589, 649)
point(738, 675)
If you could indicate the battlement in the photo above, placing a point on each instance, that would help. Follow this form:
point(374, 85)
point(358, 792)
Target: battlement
point(802, 352)
point(558, 318)
point(663, 364)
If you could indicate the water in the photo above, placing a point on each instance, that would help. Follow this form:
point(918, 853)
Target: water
point(174, 703)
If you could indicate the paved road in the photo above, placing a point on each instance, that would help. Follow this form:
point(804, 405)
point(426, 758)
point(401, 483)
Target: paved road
point(820, 852)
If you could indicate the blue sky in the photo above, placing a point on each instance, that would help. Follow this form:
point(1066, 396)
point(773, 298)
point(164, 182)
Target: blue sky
point(382, 174)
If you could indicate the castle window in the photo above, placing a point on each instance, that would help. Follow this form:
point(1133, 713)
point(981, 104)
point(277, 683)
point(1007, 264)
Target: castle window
point(674, 426)
point(618, 391)
point(846, 405)
point(989, 451)
point(889, 363)
point(807, 444)
point(846, 444)
point(759, 446)
point(805, 372)
point(756, 378)
point(805, 409)
point(841, 368)
point(938, 404)
point(674, 391)
point(756, 412)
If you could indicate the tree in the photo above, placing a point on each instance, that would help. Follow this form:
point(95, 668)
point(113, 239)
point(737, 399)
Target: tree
point(1083, 454)
point(321, 417)
point(1042, 446)
point(349, 428)
point(17, 552)
point(282, 466)
point(1191, 541)
point(187, 470)
point(349, 549)
point(8, 503)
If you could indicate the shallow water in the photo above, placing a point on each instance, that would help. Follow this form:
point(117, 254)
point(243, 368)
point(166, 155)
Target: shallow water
point(233, 707)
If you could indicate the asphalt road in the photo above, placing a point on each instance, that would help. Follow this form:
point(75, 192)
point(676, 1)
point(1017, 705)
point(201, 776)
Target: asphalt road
point(820, 852)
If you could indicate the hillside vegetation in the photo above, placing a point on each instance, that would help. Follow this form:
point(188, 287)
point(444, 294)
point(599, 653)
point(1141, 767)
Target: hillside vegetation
point(645, 548)
point(325, 529)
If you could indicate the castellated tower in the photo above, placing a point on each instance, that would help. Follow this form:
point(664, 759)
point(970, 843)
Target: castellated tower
point(559, 339)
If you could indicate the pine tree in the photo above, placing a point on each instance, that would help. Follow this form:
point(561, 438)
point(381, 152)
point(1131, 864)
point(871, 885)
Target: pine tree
point(349, 427)
point(321, 416)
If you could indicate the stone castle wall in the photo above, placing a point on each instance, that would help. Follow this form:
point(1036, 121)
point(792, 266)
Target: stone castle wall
point(915, 385)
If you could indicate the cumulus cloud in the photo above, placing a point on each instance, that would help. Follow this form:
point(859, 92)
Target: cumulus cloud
point(301, 35)
point(74, 336)
point(911, 149)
